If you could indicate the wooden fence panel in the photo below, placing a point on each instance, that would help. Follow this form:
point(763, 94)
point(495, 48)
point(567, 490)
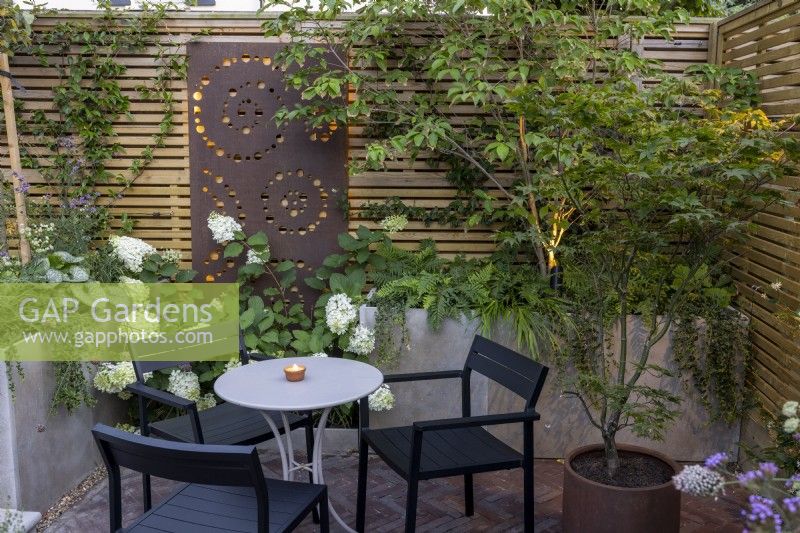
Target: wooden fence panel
point(765, 40)
point(159, 199)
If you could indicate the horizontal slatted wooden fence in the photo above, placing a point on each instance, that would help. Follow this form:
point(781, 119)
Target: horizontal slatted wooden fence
point(159, 200)
point(765, 40)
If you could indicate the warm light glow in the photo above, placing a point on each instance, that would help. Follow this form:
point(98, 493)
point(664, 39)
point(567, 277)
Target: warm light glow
point(295, 372)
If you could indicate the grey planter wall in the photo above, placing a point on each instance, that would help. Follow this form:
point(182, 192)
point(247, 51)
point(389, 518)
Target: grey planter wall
point(42, 456)
point(564, 425)
point(428, 350)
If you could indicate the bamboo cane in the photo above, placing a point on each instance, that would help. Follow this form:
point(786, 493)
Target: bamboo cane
point(13, 154)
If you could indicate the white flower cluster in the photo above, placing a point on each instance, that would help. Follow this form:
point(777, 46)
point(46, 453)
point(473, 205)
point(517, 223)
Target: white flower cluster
point(698, 480)
point(40, 237)
point(130, 428)
point(234, 362)
point(184, 383)
point(792, 422)
point(382, 399)
point(171, 256)
point(112, 378)
point(319, 354)
point(394, 223)
point(223, 228)
point(206, 401)
point(257, 258)
point(9, 267)
point(131, 251)
point(339, 313)
point(362, 341)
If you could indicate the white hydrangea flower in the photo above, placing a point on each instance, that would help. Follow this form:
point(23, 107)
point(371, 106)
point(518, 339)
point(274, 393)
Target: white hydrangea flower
point(171, 256)
point(319, 354)
point(394, 223)
point(791, 425)
point(698, 480)
point(207, 401)
point(382, 399)
point(126, 279)
point(790, 409)
point(112, 378)
point(339, 313)
point(130, 428)
point(362, 341)
point(234, 362)
point(257, 258)
point(184, 383)
point(131, 251)
point(223, 228)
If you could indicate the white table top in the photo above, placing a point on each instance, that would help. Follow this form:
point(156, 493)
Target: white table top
point(329, 381)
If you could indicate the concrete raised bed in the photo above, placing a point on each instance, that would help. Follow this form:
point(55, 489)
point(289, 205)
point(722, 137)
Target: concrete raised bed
point(42, 456)
point(564, 425)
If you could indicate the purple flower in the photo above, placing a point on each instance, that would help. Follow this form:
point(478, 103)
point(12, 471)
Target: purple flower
point(745, 478)
point(763, 510)
point(24, 186)
point(716, 460)
point(769, 469)
point(792, 504)
point(66, 142)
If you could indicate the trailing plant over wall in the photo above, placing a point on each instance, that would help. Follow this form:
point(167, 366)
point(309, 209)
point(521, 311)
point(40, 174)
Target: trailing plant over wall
point(716, 359)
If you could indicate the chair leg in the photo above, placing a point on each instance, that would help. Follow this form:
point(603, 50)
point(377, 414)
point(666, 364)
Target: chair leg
point(469, 496)
point(411, 504)
point(324, 520)
point(361, 497)
point(527, 513)
point(309, 429)
point(147, 498)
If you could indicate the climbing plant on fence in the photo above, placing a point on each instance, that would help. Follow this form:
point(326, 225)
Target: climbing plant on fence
point(71, 142)
point(475, 58)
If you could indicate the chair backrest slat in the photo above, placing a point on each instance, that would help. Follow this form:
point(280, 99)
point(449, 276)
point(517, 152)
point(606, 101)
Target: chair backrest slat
point(180, 461)
point(522, 375)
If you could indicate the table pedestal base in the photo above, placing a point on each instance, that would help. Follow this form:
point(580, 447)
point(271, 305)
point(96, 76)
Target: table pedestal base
point(290, 465)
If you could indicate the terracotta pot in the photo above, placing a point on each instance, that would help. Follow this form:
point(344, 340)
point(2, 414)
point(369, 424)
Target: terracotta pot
point(591, 507)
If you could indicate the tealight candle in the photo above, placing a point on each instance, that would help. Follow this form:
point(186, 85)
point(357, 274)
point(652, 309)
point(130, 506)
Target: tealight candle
point(295, 372)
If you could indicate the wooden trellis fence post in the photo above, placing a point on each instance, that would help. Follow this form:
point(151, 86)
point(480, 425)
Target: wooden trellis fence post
point(12, 139)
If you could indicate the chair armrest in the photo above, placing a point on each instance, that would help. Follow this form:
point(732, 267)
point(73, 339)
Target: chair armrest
point(421, 376)
point(472, 421)
point(160, 396)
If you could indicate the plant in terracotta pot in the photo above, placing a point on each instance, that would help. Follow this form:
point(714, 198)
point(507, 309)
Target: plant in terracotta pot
point(663, 180)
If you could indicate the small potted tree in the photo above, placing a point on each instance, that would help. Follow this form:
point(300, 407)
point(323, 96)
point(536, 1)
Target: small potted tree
point(663, 181)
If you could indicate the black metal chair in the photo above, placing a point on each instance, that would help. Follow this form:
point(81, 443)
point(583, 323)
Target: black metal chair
point(226, 488)
point(225, 423)
point(458, 446)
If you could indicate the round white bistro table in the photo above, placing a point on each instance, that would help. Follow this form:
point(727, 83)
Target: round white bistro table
point(329, 381)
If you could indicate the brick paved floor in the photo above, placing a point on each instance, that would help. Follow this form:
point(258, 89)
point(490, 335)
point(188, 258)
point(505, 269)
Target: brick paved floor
point(497, 502)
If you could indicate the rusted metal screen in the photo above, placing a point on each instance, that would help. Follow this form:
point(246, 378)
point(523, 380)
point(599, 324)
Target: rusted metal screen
point(286, 181)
